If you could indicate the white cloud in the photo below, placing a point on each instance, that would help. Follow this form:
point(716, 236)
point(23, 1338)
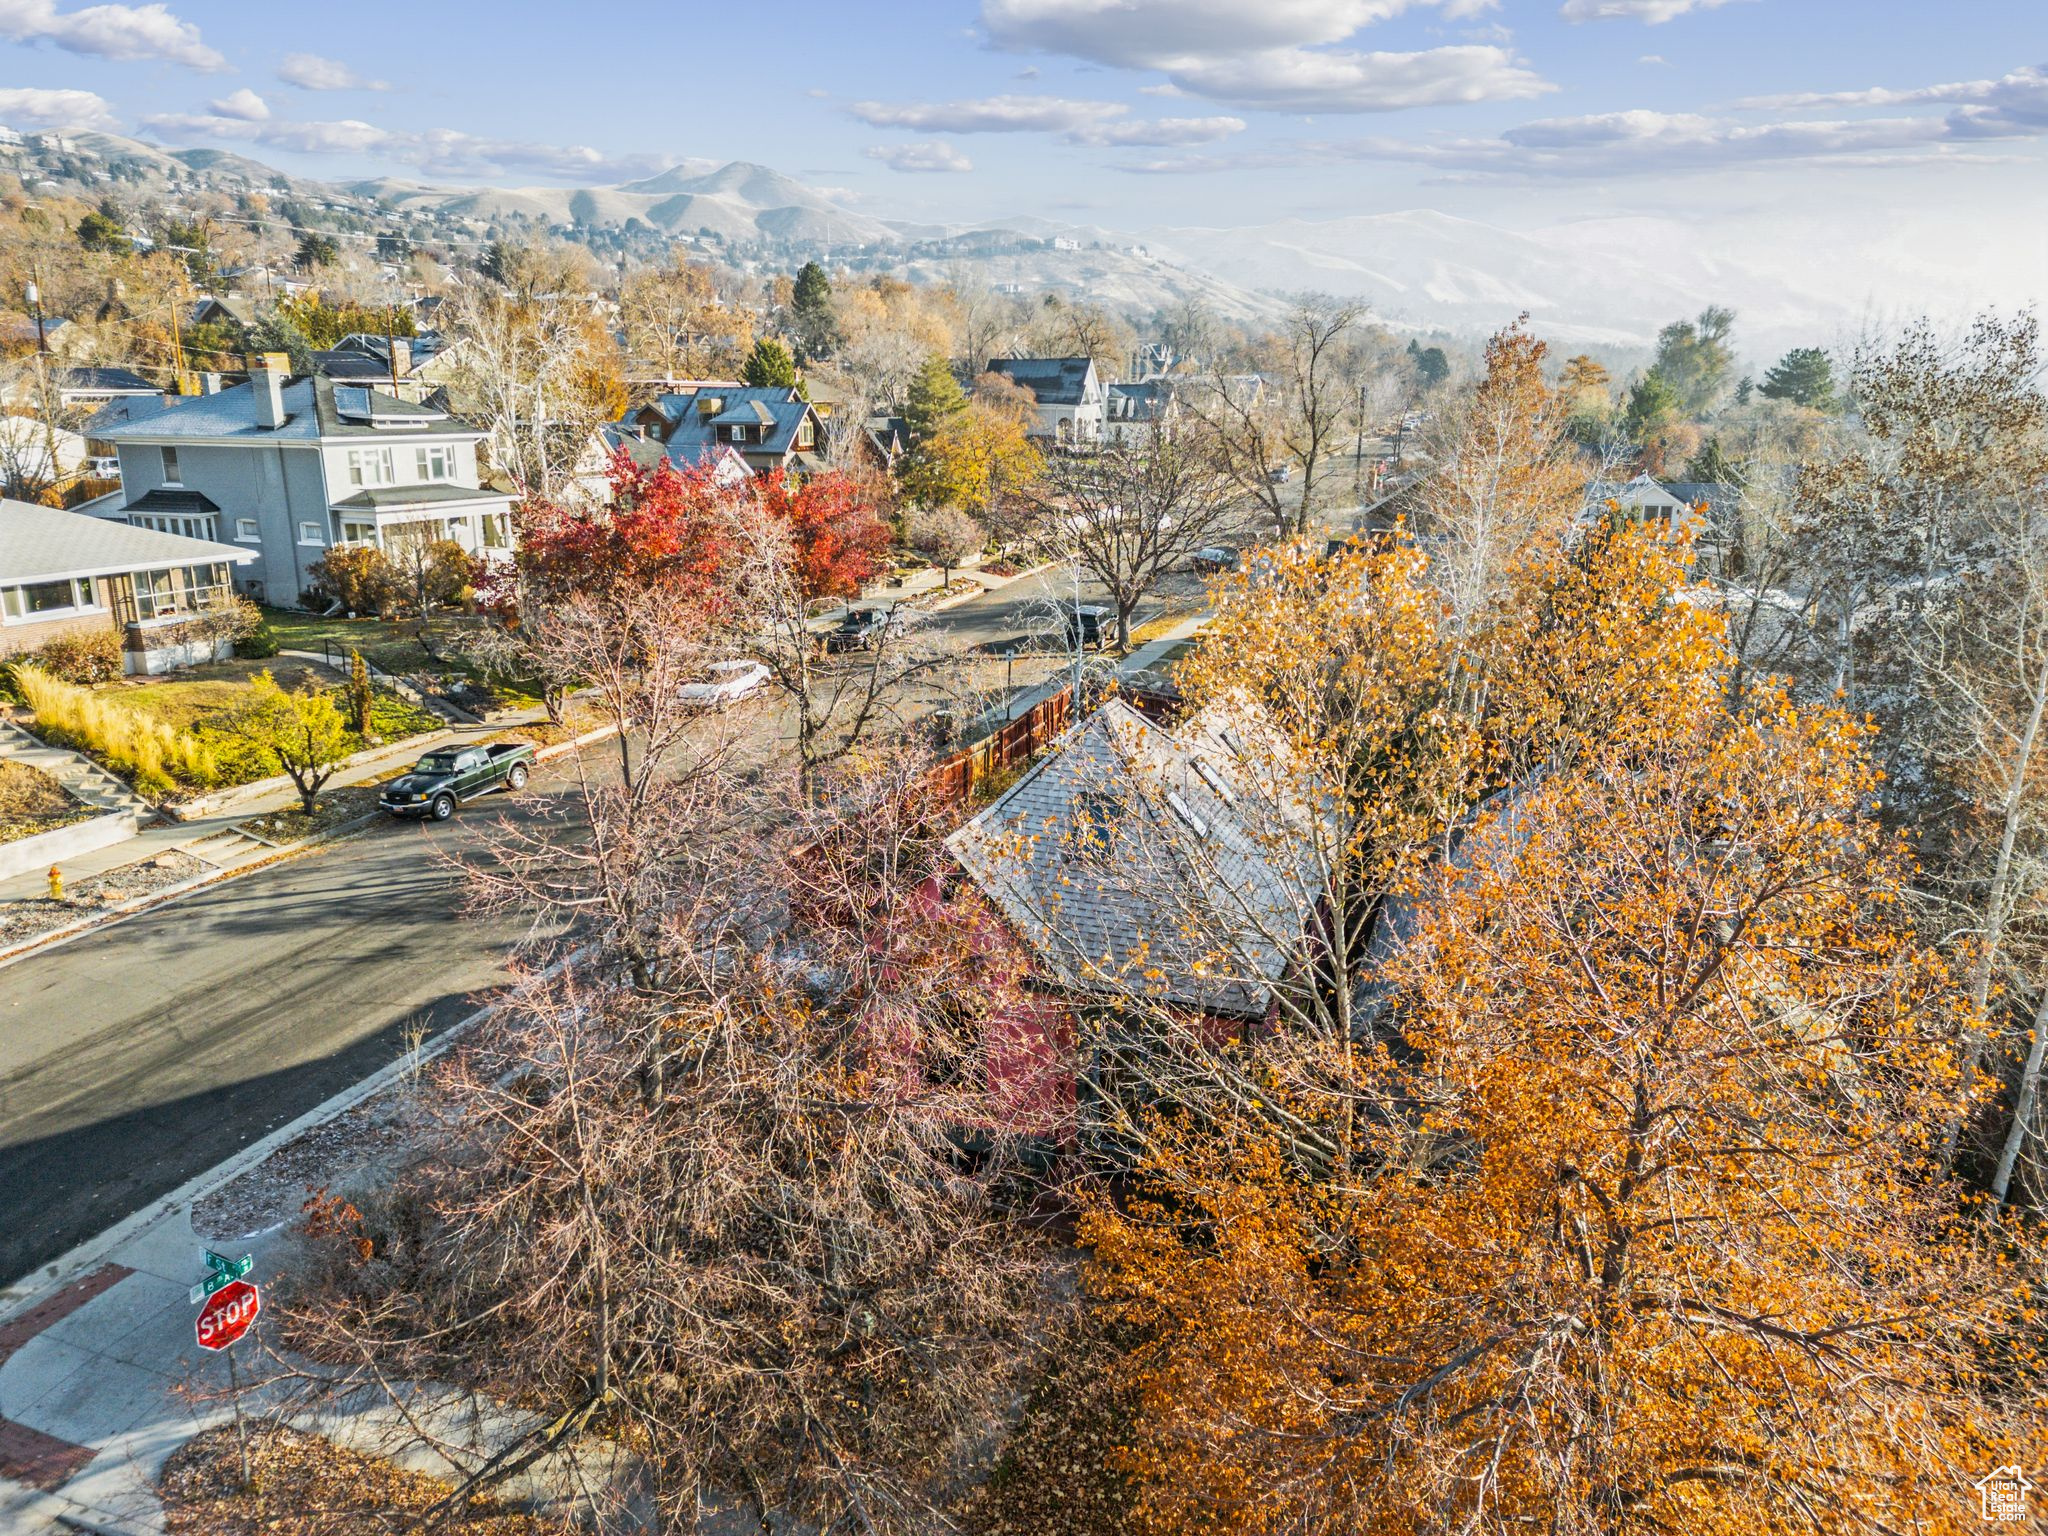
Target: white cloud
point(930, 157)
point(1099, 124)
point(991, 114)
point(1650, 12)
point(38, 107)
point(1318, 80)
point(1275, 56)
point(313, 72)
point(2014, 103)
point(438, 151)
point(244, 104)
point(1654, 60)
point(1160, 132)
point(146, 32)
point(1647, 143)
point(1163, 88)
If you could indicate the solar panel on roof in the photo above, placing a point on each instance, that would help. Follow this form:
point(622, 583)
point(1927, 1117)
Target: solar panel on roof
point(351, 402)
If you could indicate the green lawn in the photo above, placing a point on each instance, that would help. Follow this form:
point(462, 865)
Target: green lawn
point(392, 645)
point(197, 699)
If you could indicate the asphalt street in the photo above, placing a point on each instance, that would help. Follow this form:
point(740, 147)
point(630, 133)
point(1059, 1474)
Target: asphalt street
point(136, 1057)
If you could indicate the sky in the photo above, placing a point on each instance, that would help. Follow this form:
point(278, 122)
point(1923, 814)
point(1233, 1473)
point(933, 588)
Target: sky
point(1925, 116)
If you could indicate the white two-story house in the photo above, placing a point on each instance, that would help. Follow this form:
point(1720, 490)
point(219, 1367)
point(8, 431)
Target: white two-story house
point(289, 468)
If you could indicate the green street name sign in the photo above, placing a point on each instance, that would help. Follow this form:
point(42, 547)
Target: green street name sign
point(220, 1272)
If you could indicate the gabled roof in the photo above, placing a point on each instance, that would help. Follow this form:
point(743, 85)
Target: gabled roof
point(1052, 380)
point(1140, 862)
point(1144, 400)
point(315, 408)
point(772, 416)
point(45, 544)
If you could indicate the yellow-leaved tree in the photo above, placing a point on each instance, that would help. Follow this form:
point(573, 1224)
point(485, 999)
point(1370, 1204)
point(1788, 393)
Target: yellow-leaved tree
point(1643, 1226)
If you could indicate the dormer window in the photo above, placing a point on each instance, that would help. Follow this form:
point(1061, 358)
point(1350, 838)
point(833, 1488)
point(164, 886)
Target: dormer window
point(806, 433)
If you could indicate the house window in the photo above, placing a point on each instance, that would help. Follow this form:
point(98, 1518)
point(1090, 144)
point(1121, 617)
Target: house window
point(497, 530)
point(245, 530)
point(435, 463)
point(310, 533)
point(47, 599)
point(806, 435)
point(736, 434)
point(358, 533)
point(171, 466)
point(1186, 813)
point(371, 466)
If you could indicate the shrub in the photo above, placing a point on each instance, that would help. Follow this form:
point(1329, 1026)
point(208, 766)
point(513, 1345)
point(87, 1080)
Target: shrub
point(260, 644)
point(154, 755)
point(90, 656)
point(362, 580)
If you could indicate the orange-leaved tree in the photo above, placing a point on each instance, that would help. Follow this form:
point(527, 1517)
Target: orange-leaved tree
point(1645, 1228)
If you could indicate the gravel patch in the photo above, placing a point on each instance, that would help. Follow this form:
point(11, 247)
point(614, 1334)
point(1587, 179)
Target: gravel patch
point(83, 898)
point(339, 1154)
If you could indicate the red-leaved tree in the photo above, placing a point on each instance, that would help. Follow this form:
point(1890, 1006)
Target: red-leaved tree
point(835, 532)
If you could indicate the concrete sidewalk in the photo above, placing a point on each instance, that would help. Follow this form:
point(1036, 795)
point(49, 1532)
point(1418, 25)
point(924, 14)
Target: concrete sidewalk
point(237, 850)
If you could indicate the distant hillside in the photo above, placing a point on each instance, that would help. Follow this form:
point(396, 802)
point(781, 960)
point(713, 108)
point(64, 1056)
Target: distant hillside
point(1594, 282)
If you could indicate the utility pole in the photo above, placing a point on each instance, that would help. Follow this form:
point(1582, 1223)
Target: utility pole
point(34, 294)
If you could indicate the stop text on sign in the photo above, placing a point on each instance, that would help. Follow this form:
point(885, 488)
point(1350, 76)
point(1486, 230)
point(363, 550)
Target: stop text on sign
point(227, 1314)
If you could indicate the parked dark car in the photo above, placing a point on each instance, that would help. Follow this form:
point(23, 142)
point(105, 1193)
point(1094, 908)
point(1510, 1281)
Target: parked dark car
point(1216, 558)
point(858, 631)
point(1090, 627)
point(444, 778)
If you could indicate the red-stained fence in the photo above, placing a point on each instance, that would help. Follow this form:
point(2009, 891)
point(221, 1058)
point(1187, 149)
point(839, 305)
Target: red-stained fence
point(956, 779)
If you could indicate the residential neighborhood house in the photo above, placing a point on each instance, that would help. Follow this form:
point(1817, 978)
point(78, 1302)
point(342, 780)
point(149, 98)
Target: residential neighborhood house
point(768, 428)
point(290, 468)
point(65, 573)
point(1069, 392)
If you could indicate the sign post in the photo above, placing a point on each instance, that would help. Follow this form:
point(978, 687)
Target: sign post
point(232, 1304)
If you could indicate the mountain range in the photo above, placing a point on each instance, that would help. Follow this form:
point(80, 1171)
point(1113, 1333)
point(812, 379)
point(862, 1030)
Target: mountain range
point(1606, 283)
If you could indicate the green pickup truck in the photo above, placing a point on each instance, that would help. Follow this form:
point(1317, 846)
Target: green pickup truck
point(446, 777)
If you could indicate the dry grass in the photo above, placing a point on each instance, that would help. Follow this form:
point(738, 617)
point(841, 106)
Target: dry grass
point(31, 802)
point(303, 1485)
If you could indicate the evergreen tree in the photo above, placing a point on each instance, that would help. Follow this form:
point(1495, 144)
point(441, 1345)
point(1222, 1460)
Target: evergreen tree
point(817, 323)
point(1652, 404)
point(1804, 376)
point(935, 398)
point(1711, 465)
point(1694, 360)
point(770, 366)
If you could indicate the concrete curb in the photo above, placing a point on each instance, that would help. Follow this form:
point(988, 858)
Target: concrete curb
point(20, 1295)
point(144, 902)
point(283, 851)
point(225, 802)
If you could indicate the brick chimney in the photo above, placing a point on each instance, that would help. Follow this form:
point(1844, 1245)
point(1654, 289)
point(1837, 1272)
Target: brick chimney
point(267, 373)
point(401, 357)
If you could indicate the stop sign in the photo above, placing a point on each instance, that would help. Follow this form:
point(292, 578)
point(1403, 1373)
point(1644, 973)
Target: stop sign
point(227, 1314)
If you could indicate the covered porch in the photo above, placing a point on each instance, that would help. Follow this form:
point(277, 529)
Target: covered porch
point(480, 521)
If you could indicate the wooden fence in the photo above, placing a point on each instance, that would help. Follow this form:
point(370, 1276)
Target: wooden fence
point(957, 778)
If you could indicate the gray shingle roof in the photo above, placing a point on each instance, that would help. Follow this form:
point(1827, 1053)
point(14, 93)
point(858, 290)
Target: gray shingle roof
point(310, 415)
point(44, 544)
point(188, 503)
point(1136, 862)
point(1052, 380)
point(113, 381)
point(775, 412)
